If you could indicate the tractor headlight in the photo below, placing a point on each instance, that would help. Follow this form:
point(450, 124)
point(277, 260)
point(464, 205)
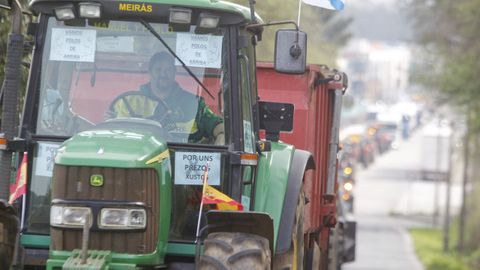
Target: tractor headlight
point(206, 20)
point(122, 219)
point(64, 12)
point(89, 10)
point(69, 216)
point(180, 15)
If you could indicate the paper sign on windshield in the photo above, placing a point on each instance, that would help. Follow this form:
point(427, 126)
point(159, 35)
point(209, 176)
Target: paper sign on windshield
point(190, 168)
point(46, 159)
point(200, 50)
point(73, 45)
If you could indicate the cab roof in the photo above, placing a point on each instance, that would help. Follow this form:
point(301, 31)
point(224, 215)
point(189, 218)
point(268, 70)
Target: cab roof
point(45, 6)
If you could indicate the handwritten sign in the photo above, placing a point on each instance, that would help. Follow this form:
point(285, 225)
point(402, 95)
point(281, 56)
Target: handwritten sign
point(200, 50)
point(46, 159)
point(190, 168)
point(73, 45)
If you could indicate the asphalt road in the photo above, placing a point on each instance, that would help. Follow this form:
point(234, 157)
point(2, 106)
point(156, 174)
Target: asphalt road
point(391, 197)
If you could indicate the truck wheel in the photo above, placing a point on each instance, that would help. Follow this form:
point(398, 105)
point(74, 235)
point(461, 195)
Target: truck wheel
point(293, 259)
point(236, 251)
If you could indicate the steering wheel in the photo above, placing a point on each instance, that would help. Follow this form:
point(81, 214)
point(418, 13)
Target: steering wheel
point(136, 104)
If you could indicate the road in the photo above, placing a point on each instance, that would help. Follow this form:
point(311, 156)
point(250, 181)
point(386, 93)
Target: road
point(391, 197)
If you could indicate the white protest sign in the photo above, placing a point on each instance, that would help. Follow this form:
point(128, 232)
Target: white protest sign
point(46, 159)
point(73, 45)
point(200, 50)
point(190, 168)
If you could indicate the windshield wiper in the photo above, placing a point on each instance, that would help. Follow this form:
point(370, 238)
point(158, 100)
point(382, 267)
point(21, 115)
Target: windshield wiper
point(155, 33)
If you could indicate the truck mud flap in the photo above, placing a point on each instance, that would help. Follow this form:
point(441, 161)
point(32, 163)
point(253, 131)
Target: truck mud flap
point(350, 241)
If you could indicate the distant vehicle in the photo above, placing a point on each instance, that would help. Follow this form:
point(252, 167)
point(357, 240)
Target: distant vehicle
point(346, 180)
point(362, 143)
point(384, 134)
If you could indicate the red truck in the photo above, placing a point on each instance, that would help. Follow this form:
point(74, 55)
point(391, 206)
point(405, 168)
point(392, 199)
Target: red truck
point(316, 100)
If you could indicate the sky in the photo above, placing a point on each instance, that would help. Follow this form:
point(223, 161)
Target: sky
point(382, 20)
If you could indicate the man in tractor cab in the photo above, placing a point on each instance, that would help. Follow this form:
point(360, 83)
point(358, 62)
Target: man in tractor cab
point(176, 109)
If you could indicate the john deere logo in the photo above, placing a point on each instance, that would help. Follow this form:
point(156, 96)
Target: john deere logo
point(96, 180)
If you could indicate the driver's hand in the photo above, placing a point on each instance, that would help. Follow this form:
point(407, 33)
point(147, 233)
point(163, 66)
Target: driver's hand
point(219, 134)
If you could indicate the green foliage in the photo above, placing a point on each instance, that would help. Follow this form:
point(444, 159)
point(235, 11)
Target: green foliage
point(448, 33)
point(472, 239)
point(4, 30)
point(428, 245)
point(326, 32)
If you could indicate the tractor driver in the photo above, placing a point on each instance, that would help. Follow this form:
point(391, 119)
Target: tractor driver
point(177, 109)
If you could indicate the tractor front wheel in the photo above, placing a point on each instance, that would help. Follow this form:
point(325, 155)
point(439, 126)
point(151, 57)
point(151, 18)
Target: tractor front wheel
point(236, 251)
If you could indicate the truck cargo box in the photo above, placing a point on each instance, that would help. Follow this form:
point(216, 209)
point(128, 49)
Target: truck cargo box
point(313, 98)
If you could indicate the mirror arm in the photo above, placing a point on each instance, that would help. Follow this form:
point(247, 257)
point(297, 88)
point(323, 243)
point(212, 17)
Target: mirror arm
point(259, 25)
point(295, 49)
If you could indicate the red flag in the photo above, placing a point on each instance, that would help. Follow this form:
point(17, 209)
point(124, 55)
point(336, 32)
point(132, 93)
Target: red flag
point(19, 188)
point(212, 196)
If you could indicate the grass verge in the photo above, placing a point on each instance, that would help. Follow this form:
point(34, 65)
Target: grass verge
point(428, 246)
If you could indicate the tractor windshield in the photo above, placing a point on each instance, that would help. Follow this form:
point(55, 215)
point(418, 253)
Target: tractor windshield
point(119, 69)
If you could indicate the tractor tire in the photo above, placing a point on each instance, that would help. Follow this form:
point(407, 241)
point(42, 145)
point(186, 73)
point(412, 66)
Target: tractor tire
point(294, 258)
point(235, 251)
point(5, 255)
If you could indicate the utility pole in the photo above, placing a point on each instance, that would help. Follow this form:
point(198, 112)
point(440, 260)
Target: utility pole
point(437, 174)
point(446, 225)
point(463, 209)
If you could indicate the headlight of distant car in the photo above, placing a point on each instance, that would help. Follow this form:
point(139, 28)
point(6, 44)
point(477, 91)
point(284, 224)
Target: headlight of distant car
point(69, 216)
point(348, 186)
point(122, 218)
point(347, 170)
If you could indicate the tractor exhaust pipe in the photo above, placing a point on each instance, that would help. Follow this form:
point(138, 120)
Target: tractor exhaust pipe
point(10, 89)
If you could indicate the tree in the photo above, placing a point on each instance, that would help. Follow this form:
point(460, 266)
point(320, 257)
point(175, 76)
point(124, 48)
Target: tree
point(326, 32)
point(448, 32)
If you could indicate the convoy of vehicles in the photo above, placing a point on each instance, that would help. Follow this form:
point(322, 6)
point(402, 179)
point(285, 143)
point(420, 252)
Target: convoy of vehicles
point(124, 193)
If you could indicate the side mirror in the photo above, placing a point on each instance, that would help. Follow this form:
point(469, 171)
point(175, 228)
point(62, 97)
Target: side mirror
point(290, 51)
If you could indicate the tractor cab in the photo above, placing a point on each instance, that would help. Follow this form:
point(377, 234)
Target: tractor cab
point(119, 156)
point(108, 147)
point(131, 109)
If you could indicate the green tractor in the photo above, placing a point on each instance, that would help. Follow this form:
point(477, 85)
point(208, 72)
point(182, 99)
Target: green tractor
point(117, 157)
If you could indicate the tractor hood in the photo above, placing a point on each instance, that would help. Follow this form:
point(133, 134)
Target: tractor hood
point(125, 143)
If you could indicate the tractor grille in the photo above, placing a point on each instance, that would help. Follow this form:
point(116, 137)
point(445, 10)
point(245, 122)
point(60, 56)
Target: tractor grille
point(132, 185)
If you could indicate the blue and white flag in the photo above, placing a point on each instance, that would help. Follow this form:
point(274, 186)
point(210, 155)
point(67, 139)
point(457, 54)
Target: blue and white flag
point(328, 4)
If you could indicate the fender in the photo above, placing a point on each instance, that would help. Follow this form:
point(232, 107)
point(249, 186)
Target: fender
point(302, 161)
point(271, 182)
